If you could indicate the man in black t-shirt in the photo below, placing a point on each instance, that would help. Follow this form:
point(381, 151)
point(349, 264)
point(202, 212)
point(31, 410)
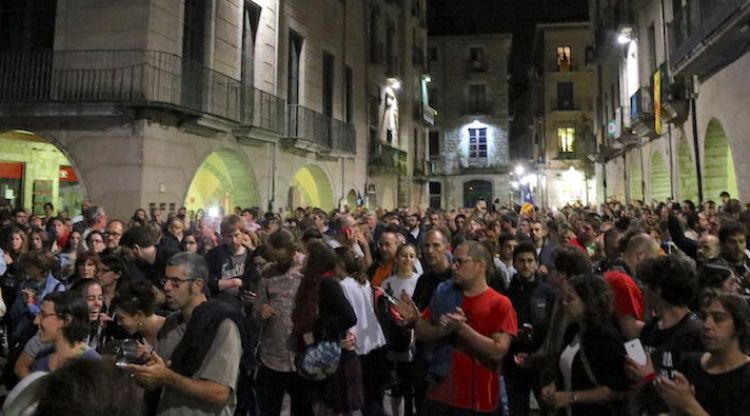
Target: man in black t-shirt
point(717, 382)
point(670, 286)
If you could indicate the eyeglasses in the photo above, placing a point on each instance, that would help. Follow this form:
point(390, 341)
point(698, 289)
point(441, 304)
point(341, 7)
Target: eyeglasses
point(174, 281)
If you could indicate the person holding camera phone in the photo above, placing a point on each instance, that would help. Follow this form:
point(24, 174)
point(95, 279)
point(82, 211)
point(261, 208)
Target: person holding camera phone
point(533, 299)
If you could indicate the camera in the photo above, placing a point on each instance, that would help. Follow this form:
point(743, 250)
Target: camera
point(126, 353)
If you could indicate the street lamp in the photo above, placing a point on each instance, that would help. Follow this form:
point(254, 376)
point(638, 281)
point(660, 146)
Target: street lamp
point(624, 35)
point(519, 170)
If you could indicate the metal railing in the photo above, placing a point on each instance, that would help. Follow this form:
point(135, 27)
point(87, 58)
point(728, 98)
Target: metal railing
point(477, 107)
point(320, 129)
point(641, 104)
point(128, 76)
point(159, 79)
point(263, 109)
point(695, 21)
point(386, 158)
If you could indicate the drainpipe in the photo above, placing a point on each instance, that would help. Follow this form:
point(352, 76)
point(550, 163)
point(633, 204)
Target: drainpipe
point(670, 139)
point(696, 147)
point(274, 147)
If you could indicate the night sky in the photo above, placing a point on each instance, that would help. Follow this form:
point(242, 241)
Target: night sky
point(460, 17)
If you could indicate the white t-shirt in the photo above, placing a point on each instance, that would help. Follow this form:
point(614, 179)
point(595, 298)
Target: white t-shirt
point(566, 365)
point(398, 284)
point(367, 330)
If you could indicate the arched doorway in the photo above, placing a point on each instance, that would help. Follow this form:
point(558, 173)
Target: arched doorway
point(310, 187)
point(224, 180)
point(476, 190)
point(635, 177)
point(35, 170)
point(660, 188)
point(688, 182)
point(719, 174)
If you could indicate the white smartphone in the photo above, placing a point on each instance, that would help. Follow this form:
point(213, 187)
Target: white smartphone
point(636, 352)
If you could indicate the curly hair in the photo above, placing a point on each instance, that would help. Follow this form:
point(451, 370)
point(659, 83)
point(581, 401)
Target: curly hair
point(673, 276)
point(737, 307)
point(570, 260)
point(596, 297)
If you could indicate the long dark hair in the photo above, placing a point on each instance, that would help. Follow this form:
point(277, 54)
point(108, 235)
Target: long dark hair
point(596, 298)
point(321, 262)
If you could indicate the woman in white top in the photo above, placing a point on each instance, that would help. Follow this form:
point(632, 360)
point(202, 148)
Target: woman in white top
point(404, 280)
point(369, 339)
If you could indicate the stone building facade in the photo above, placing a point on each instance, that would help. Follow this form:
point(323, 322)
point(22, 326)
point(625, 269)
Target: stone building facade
point(468, 148)
point(201, 103)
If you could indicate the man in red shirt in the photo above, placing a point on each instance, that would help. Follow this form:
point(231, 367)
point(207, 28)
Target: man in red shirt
point(480, 332)
point(628, 297)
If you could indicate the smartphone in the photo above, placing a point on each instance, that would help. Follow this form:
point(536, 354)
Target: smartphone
point(636, 352)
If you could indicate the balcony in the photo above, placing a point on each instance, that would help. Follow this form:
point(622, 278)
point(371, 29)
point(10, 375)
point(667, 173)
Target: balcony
point(135, 78)
point(619, 129)
point(570, 105)
point(642, 113)
point(311, 131)
point(482, 166)
point(707, 35)
point(423, 113)
point(476, 66)
point(385, 158)
point(476, 108)
point(422, 169)
point(263, 110)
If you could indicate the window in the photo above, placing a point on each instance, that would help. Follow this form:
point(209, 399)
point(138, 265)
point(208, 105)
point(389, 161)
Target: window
point(476, 53)
point(434, 144)
point(328, 83)
point(295, 55)
point(193, 52)
point(564, 58)
point(375, 52)
point(565, 96)
point(434, 96)
point(349, 95)
point(27, 24)
point(478, 143)
point(250, 22)
point(477, 99)
point(566, 138)
point(435, 194)
point(652, 47)
point(433, 54)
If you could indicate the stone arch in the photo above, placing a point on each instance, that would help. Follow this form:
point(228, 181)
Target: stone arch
point(311, 186)
point(48, 172)
point(659, 178)
point(635, 177)
point(688, 181)
point(719, 174)
point(225, 180)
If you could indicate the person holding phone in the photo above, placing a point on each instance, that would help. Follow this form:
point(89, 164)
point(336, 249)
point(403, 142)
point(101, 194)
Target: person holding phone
point(716, 382)
point(590, 378)
point(670, 286)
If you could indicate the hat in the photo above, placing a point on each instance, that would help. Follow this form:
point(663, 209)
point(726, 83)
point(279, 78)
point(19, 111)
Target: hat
point(138, 236)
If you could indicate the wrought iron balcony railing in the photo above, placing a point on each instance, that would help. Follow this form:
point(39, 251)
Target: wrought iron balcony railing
point(320, 129)
point(384, 158)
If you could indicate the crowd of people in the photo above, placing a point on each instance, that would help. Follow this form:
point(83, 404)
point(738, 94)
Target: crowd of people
point(617, 309)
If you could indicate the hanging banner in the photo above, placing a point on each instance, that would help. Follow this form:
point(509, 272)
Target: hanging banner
point(657, 101)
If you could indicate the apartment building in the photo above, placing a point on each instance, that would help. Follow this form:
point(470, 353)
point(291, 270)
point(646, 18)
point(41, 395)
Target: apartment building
point(671, 77)
point(561, 99)
point(201, 103)
point(468, 149)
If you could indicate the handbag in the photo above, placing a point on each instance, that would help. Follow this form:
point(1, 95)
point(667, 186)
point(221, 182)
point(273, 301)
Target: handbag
point(319, 360)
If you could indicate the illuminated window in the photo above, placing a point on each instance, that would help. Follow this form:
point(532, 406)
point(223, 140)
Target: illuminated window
point(566, 138)
point(564, 58)
point(478, 143)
